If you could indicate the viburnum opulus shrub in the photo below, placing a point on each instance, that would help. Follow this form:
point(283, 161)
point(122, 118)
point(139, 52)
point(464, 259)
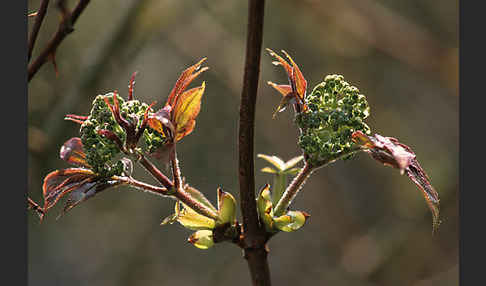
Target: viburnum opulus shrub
point(118, 134)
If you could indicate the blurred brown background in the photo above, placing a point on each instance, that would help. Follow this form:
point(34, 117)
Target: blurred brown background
point(369, 225)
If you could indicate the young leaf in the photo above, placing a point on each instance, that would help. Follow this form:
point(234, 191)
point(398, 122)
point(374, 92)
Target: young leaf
point(161, 119)
point(184, 80)
point(202, 239)
point(274, 160)
point(72, 152)
point(265, 208)
point(186, 110)
point(291, 221)
point(226, 208)
point(192, 220)
point(292, 162)
point(84, 193)
point(61, 182)
point(390, 152)
point(268, 170)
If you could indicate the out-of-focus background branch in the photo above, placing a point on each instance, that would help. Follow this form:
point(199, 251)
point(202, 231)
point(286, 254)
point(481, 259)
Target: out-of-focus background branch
point(369, 225)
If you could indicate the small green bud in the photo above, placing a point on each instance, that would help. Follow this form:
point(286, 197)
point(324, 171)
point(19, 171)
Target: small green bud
point(202, 239)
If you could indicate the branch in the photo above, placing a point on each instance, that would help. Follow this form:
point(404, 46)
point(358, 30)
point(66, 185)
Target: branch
point(37, 24)
point(65, 27)
point(253, 234)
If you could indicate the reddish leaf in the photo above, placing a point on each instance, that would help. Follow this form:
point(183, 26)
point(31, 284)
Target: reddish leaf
point(61, 182)
point(72, 152)
point(160, 120)
point(390, 152)
point(81, 184)
point(298, 78)
point(184, 80)
point(281, 61)
point(284, 89)
point(186, 110)
point(298, 84)
point(130, 85)
point(75, 118)
point(84, 193)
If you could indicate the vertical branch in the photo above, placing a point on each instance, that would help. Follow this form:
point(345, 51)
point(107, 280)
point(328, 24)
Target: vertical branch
point(37, 25)
point(253, 234)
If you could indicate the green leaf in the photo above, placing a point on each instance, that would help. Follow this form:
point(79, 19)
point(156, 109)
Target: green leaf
point(265, 208)
point(274, 160)
point(268, 170)
point(291, 221)
point(226, 208)
point(202, 239)
point(292, 171)
point(292, 162)
point(279, 185)
point(192, 220)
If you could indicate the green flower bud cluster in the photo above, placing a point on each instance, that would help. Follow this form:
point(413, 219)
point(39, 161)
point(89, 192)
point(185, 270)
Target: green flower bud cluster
point(101, 151)
point(336, 109)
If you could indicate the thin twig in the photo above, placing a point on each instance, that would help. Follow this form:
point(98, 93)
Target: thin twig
point(176, 171)
point(65, 27)
point(160, 191)
point(182, 195)
point(253, 234)
point(155, 172)
point(37, 25)
point(292, 190)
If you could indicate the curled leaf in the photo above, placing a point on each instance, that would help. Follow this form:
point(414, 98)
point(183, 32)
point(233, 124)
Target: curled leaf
point(160, 121)
point(226, 208)
point(390, 152)
point(72, 152)
point(202, 239)
point(265, 208)
point(291, 221)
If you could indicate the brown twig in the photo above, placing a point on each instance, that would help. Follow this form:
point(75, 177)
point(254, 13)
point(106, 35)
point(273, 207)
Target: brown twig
point(254, 235)
point(176, 192)
point(37, 25)
point(160, 191)
point(155, 172)
point(65, 27)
